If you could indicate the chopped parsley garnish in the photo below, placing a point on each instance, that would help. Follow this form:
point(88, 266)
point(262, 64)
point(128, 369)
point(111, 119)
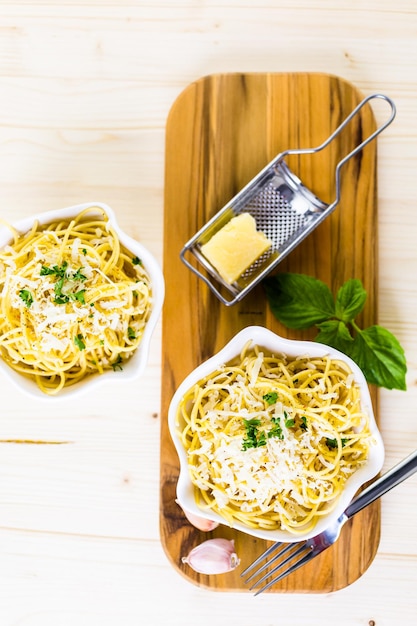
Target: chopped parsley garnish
point(136, 261)
point(332, 443)
point(55, 270)
point(261, 440)
point(79, 341)
point(58, 289)
point(131, 333)
point(60, 300)
point(26, 296)
point(78, 295)
point(276, 430)
point(117, 365)
point(78, 275)
point(63, 298)
point(271, 397)
point(253, 438)
point(303, 424)
point(62, 275)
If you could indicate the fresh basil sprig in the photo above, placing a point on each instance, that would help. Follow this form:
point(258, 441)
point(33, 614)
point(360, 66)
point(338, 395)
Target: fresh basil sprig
point(299, 301)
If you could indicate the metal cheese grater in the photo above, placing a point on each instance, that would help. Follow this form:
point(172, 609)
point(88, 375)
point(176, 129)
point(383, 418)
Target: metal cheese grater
point(283, 208)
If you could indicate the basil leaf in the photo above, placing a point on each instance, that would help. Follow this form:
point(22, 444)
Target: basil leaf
point(299, 301)
point(334, 333)
point(380, 356)
point(350, 300)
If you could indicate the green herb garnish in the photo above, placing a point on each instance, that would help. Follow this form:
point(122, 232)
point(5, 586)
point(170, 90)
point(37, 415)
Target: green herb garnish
point(61, 273)
point(117, 365)
point(131, 333)
point(79, 341)
point(271, 397)
point(58, 288)
point(55, 270)
point(253, 438)
point(299, 301)
point(276, 430)
point(332, 443)
point(78, 295)
point(78, 275)
point(303, 424)
point(136, 261)
point(26, 296)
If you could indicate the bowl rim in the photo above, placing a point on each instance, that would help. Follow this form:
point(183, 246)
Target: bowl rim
point(267, 339)
point(136, 365)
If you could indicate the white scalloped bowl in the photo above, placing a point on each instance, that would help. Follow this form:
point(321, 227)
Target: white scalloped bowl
point(135, 365)
point(274, 344)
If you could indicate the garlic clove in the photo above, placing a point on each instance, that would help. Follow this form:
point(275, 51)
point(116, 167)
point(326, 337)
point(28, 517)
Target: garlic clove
point(199, 522)
point(213, 556)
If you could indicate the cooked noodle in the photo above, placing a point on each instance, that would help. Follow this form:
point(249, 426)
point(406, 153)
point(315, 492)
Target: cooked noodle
point(73, 300)
point(288, 466)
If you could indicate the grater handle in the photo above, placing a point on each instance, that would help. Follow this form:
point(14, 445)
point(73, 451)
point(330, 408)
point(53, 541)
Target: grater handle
point(339, 130)
point(366, 141)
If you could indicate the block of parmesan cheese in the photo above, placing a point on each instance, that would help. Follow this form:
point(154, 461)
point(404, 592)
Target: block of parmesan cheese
point(235, 247)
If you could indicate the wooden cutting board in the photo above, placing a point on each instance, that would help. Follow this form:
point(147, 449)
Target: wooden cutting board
point(221, 131)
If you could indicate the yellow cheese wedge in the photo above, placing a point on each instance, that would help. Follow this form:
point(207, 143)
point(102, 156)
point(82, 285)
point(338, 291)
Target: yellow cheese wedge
point(235, 247)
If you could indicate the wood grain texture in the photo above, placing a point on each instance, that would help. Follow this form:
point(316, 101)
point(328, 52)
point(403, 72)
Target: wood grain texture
point(221, 131)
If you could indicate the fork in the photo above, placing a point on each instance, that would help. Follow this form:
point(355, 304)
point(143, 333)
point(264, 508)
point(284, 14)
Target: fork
point(297, 554)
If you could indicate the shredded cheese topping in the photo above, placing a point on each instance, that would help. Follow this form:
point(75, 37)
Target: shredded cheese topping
point(271, 441)
point(73, 301)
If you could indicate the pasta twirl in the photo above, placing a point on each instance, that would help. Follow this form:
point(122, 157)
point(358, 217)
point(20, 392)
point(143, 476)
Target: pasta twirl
point(73, 300)
point(271, 441)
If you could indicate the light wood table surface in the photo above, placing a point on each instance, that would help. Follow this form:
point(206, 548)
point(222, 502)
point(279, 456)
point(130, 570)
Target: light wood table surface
point(85, 91)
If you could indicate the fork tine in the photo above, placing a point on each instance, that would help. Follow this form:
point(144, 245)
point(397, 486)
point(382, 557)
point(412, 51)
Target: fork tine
point(277, 556)
point(267, 552)
point(298, 553)
point(305, 559)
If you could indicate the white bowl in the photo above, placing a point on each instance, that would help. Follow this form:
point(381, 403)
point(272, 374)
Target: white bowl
point(274, 344)
point(136, 364)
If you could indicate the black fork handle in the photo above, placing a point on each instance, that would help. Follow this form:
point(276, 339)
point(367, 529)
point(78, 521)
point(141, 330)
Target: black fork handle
point(393, 477)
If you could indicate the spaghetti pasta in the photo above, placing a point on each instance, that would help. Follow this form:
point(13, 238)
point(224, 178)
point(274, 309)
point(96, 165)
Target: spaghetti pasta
point(271, 440)
point(74, 301)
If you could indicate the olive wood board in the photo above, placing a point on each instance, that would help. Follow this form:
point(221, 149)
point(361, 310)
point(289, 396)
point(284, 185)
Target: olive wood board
point(221, 131)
